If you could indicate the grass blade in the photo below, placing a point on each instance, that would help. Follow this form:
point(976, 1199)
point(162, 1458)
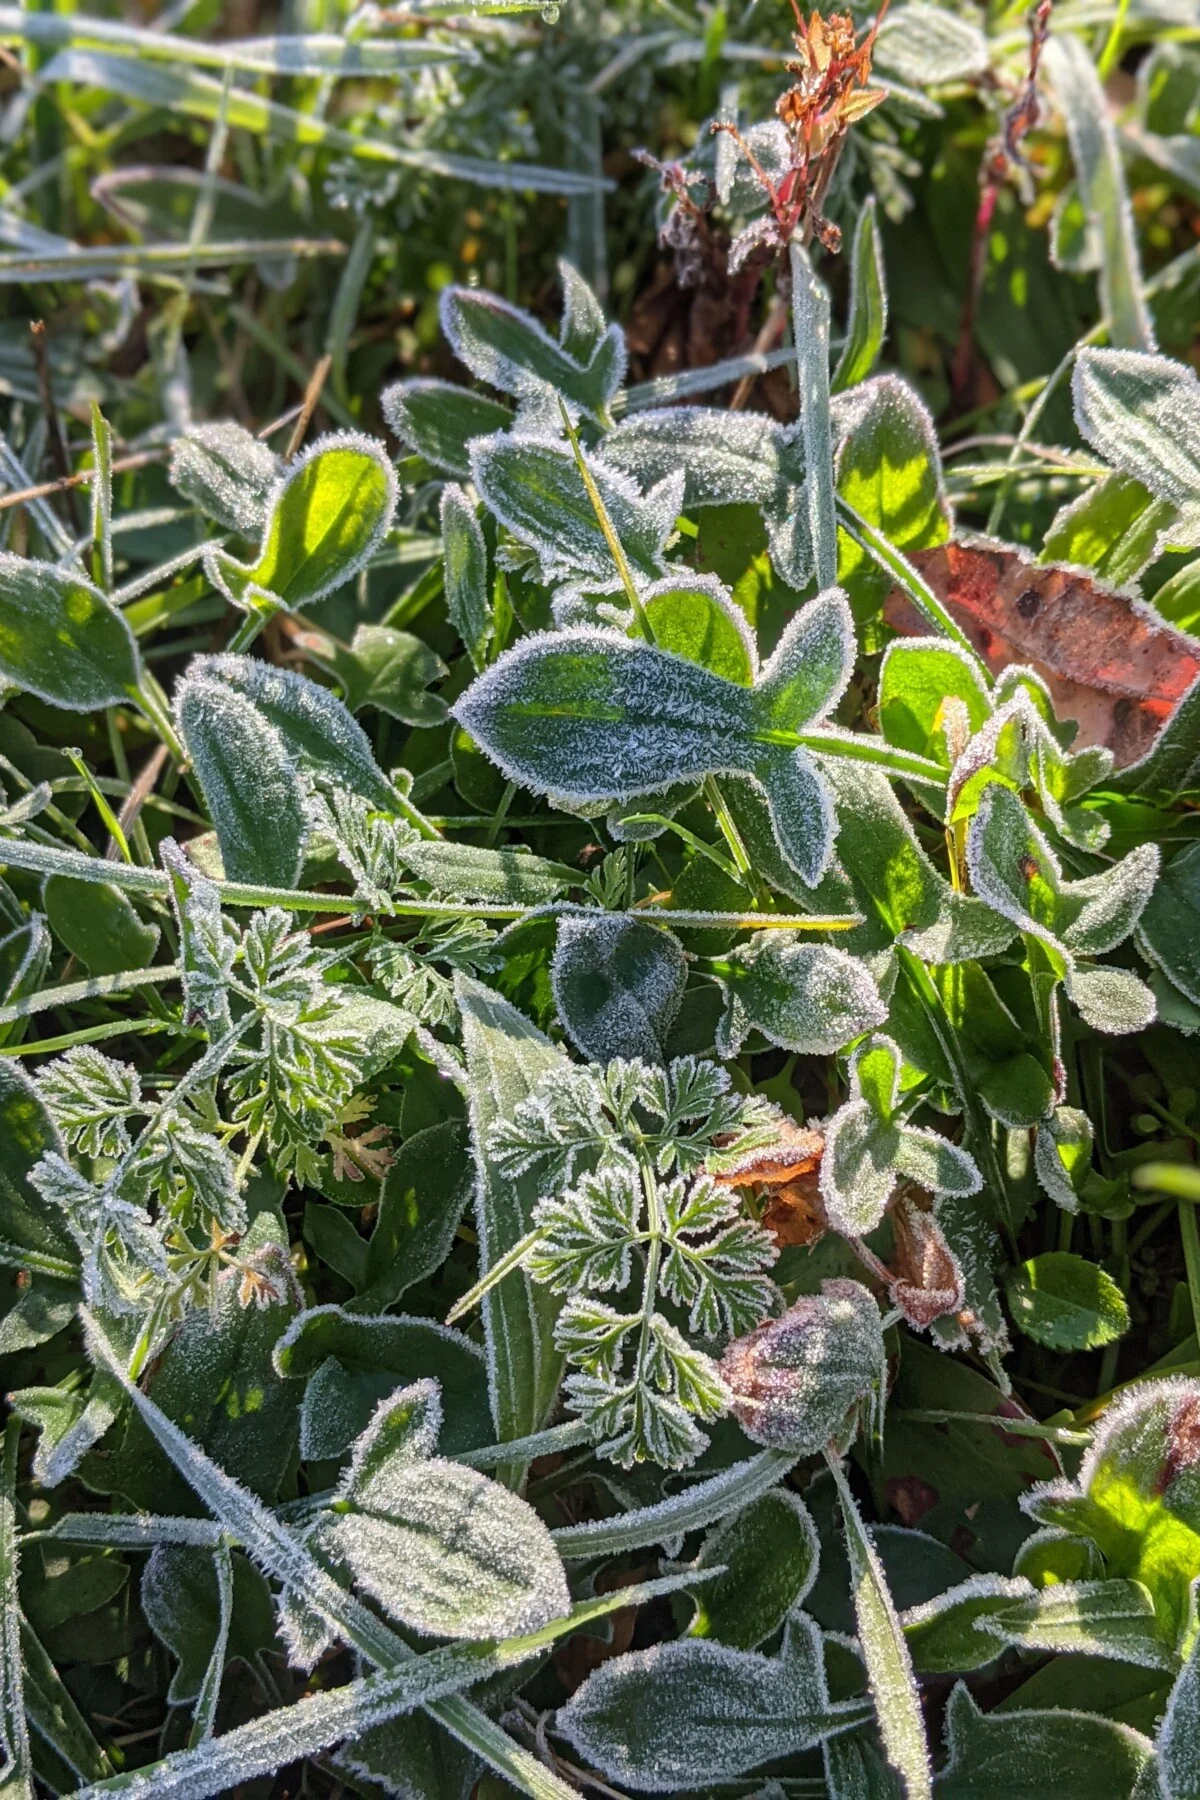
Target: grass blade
point(889, 1665)
point(200, 97)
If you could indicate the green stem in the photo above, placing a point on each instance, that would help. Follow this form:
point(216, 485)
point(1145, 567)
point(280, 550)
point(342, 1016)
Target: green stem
point(890, 560)
point(1189, 1231)
point(810, 311)
point(98, 987)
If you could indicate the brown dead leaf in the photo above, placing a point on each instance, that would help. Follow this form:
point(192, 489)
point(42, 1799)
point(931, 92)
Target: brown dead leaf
point(927, 1281)
point(1109, 663)
point(787, 1171)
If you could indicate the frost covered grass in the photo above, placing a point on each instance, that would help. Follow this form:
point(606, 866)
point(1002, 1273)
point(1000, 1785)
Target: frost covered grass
point(598, 902)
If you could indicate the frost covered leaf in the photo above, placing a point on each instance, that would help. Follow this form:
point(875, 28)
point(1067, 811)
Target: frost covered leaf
point(1096, 153)
point(1169, 929)
point(1014, 869)
point(594, 717)
point(438, 419)
point(1137, 1497)
point(889, 470)
point(1066, 1303)
point(1026, 1755)
point(1113, 1619)
point(208, 942)
point(926, 47)
point(1179, 1733)
point(443, 1549)
point(356, 1361)
point(403, 1430)
point(768, 1555)
point(506, 1057)
point(227, 472)
point(1141, 412)
point(617, 984)
point(867, 322)
point(534, 487)
point(688, 1713)
point(61, 639)
point(325, 518)
point(806, 997)
point(317, 731)
point(1063, 1155)
point(250, 786)
point(509, 350)
point(91, 1096)
point(804, 1381)
point(473, 872)
point(1115, 527)
point(727, 458)
point(697, 617)
point(943, 1635)
point(884, 1651)
point(869, 1147)
point(466, 577)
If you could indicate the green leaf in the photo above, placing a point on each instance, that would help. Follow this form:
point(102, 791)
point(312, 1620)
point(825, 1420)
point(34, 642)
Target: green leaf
point(98, 924)
point(943, 1635)
point(467, 598)
point(391, 670)
point(930, 696)
point(1096, 154)
point(354, 1361)
point(868, 302)
point(317, 731)
point(29, 1224)
point(422, 1199)
point(250, 787)
point(1066, 1303)
point(437, 420)
point(225, 471)
point(767, 1554)
point(1178, 1764)
point(1063, 1155)
point(1030, 1755)
point(1169, 928)
point(61, 639)
point(806, 997)
point(509, 350)
point(1115, 527)
point(1141, 414)
point(1113, 1619)
point(889, 470)
point(688, 1713)
point(698, 620)
point(884, 1651)
point(324, 521)
point(617, 985)
point(443, 1549)
point(506, 1057)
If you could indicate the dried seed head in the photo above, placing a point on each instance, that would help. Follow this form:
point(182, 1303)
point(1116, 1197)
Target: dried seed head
point(806, 1380)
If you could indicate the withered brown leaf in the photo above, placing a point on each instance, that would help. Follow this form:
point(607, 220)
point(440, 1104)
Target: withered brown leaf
point(1109, 664)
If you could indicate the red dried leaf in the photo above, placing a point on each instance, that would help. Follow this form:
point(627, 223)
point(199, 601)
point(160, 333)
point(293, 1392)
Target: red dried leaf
point(1109, 663)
